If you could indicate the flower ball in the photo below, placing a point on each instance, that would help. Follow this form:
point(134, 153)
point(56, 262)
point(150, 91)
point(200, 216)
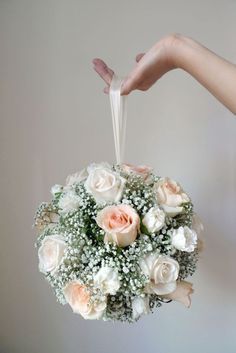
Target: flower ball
point(118, 241)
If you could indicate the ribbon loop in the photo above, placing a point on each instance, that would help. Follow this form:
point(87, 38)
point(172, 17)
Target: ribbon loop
point(119, 116)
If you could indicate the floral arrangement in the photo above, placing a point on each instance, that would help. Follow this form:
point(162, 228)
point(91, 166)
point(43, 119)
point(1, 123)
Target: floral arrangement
point(117, 241)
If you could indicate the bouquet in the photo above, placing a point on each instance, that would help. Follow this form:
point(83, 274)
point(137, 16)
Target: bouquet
point(118, 241)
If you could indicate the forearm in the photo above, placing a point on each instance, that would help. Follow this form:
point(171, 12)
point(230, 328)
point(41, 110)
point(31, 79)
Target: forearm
point(216, 74)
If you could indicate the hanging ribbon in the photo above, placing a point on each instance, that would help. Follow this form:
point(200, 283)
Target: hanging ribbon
point(119, 116)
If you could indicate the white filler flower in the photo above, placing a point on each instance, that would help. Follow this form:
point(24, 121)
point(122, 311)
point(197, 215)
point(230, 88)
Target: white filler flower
point(140, 306)
point(154, 219)
point(107, 280)
point(184, 239)
point(69, 201)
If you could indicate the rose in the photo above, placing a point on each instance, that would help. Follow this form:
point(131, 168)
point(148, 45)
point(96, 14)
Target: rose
point(140, 170)
point(79, 298)
point(121, 224)
point(140, 306)
point(107, 280)
point(51, 253)
point(162, 272)
point(170, 196)
point(154, 219)
point(182, 293)
point(184, 239)
point(104, 184)
point(69, 201)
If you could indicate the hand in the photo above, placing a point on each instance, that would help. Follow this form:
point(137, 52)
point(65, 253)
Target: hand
point(216, 74)
point(149, 68)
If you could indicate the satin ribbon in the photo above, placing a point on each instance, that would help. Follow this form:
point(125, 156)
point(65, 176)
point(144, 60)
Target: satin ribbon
point(119, 116)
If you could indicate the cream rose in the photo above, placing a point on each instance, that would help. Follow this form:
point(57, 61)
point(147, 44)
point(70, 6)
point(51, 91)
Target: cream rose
point(79, 298)
point(141, 170)
point(104, 184)
point(184, 239)
point(51, 253)
point(107, 280)
point(182, 293)
point(162, 272)
point(69, 201)
point(121, 224)
point(154, 219)
point(140, 306)
point(170, 196)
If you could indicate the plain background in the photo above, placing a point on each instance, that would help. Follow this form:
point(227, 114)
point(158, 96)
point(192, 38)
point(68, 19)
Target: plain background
point(55, 120)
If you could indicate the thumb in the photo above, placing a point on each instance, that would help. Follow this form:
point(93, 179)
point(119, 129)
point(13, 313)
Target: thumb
point(127, 86)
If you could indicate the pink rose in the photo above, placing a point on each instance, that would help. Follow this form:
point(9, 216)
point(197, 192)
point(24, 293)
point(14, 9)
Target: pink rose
point(121, 224)
point(78, 297)
point(141, 170)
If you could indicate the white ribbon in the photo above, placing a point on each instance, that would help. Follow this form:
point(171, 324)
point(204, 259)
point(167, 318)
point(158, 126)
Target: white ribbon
point(119, 116)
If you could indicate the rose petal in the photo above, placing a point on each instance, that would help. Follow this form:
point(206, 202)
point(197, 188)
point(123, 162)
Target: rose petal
point(182, 293)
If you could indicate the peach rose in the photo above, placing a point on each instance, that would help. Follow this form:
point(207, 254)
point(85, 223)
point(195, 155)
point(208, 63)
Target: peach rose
point(170, 196)
point(121, 224)
point(182, 293)
point(141, 170)
point(79, 298)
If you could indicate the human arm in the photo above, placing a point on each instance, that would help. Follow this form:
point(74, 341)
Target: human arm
point(215, 73)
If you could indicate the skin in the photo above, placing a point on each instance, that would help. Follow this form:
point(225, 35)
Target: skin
point(175, 51)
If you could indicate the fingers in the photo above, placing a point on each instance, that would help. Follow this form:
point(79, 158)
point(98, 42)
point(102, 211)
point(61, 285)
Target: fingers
point(128, 86)
point(106, 89)
point(106, 74)
point(139, 57)
point(103, 70)
point(132, 81)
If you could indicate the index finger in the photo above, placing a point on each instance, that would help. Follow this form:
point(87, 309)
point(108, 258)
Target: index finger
point(103, 70)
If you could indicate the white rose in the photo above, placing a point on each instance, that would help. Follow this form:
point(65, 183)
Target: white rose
point(107, 280)
point(104, 184)
point(69, 201)
point(162, 272)
point(184, 239)
point(154, 219)
point(79, 298)
point(56, 189)
point(76, 177)
point(51, 253)
point(170, 196)
point(140, 306)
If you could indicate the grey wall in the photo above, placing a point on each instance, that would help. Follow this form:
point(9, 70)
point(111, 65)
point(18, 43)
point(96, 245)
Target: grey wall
point(55, 119)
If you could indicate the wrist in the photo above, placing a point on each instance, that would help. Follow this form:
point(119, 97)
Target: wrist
point(178, 47)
